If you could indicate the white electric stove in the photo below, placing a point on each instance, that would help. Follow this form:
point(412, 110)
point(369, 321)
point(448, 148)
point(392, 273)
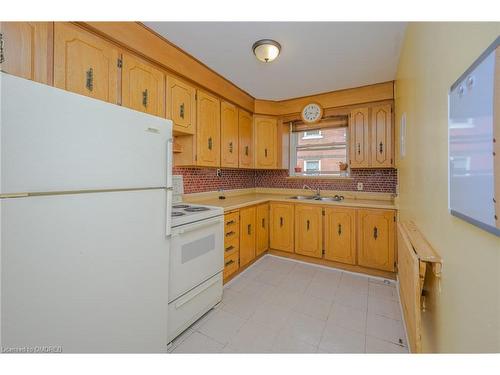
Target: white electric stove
point(196, 261)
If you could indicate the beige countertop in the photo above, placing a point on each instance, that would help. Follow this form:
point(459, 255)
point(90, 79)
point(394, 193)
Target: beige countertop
point(235, 201)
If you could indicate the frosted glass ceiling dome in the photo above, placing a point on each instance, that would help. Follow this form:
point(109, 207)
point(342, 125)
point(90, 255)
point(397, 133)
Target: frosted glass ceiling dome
point(266, 50)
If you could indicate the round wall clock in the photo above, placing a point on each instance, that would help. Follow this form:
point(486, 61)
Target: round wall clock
point(312, 113)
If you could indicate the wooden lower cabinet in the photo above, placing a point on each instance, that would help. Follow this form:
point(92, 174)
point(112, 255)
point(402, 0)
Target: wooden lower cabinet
point(247, 235)
point(231, 243)
point(309, 230)
point(281, 221)
point(262, 228)
point(340, 234)
point(376, 239)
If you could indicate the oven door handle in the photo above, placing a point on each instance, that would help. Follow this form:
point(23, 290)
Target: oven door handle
point(199, 225)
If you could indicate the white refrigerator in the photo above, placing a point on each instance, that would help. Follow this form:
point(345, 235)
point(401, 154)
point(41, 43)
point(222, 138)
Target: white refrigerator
point(85, 206)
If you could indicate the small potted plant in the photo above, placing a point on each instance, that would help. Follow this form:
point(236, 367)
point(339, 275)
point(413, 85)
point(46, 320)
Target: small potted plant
point(343, 166)
point(298, 169)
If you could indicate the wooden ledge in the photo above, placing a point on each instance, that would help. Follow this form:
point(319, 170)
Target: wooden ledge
point(425, 252)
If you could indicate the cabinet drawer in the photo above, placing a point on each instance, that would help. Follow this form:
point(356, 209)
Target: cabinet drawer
point(231, 246)
point(231, 264)
point(231, 221)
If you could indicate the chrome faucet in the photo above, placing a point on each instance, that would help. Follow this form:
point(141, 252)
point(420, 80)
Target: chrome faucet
point(318, 191)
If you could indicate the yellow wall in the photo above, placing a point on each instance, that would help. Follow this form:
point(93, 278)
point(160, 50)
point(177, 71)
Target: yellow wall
point(463, 312)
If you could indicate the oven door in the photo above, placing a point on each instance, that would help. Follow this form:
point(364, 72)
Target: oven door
point(196, 254)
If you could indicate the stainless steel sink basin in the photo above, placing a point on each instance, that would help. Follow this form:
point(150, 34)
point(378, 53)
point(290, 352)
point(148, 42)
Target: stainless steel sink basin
point(330, 199)
point(324, 199)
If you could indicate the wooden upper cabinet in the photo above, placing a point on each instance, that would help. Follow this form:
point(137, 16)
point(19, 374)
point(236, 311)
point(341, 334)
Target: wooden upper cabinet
point(376, 238)
point(245, 125)
point(143, 86)
point(85, 63)
point(358, 142)
point(340, 234)
point(247, 235)
point(281, 226)
point(28, 50)
point(266, 138)
point(229, 135)
point(208, 130)
point(262, 228)
point(381, 137)
point(181, 105)
point(309, 230)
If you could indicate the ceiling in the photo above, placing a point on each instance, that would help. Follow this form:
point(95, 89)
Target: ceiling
point(315, 57)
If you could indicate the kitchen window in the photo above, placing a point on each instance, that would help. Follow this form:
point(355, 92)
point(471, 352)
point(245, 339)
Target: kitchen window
point(318, 152)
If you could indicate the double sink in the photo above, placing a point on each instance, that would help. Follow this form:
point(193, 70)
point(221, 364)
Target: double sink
point(335, 198)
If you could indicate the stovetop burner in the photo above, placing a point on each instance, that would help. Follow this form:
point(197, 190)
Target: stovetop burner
point(181, 206)
point(196, 209)
point(177, 213)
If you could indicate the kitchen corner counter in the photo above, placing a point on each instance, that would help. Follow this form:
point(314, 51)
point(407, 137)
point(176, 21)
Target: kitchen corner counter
point(237, 201)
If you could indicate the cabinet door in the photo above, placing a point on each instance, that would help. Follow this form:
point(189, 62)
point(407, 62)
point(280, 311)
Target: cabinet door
point(27, 50)
point(229, 135)
point(84, 63)
point(143, 86)
point(208, 130)
point(358, 142)
point(181, 105)
point(381, 137)
point(247, 235)
point(281, 226)
point(245, 125)
point(309, 230)
point(340, 234)
point(376, 239)
point(262, 228)
point(266, 138)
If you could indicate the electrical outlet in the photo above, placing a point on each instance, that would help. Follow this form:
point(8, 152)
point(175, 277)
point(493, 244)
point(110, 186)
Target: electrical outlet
point(219, 172)
point(360, 186)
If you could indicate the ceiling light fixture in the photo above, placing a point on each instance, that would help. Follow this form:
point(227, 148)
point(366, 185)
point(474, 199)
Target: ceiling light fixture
point(266, 50)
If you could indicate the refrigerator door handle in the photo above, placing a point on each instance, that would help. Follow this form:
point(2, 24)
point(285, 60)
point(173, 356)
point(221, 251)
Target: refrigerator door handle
point(168, 210)
point(168, 213)
point(170, 143)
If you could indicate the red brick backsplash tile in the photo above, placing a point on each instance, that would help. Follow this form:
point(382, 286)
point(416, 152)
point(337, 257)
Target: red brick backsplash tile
point(198, 180)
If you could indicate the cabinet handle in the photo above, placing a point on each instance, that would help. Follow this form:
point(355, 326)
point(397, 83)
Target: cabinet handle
point(340, 229)
point(308, 225)
point(229, 248)
point(229, 234)
point(265, 152)
point(181, 111)
point(145, 98)
point(281, 221)
point(263, 223)
point(381, 147)
point(231, 147)
point(249, 228)
point(210, 143)
point(246, 150)
point(89, 83)
point(359, 149)
point(229, 263)
point(230, 222)
point(2, 56)
point(375, 232)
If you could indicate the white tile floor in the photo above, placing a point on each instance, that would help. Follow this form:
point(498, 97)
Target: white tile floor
point(283, 306)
